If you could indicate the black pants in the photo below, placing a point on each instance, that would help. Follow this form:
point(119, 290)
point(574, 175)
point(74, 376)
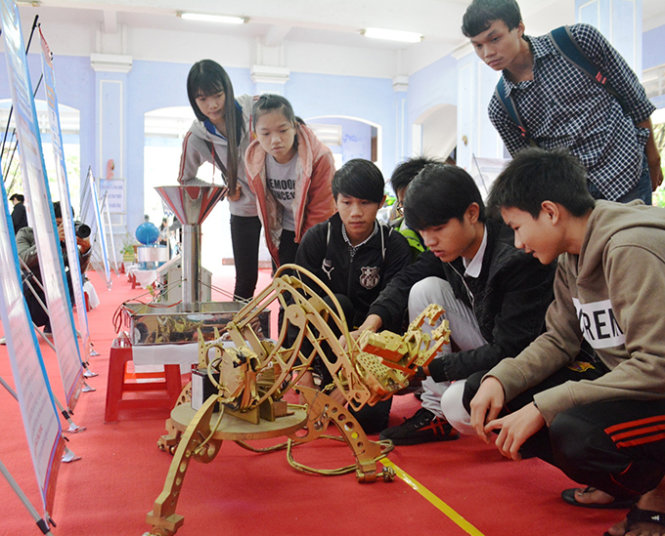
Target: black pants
point(245, 235)
point(287, 248)
point(37, 313)
point(287, 255)
point(373, 419)
point(33, 293)
point(617, 446)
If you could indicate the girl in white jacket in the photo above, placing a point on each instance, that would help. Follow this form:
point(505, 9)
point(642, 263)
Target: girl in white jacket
point(220, 135)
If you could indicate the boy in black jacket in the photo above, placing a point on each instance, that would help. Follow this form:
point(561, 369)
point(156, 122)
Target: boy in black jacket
point(495, 296)
point(356, 256)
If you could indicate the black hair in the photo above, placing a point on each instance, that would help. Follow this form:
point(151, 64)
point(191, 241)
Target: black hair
point(481, 13)
point(57, 211)
point(359, 178)
point(405, 172)
point(536, 175)
point(439, 193)
point(269, 102)
point(207, 77)
point(19, 197)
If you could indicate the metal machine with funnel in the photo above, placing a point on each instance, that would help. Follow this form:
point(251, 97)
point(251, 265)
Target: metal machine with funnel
point(191, 205)
point(180, 322)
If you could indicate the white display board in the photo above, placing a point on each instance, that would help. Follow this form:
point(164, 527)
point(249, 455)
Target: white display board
point(35, 399)
point(38, 199)
point(90, 212)
point(65, 199)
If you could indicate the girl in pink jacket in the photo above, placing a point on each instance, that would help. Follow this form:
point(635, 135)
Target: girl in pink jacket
point(290, 172)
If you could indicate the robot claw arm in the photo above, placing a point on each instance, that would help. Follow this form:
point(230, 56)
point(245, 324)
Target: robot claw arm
point(365, 371)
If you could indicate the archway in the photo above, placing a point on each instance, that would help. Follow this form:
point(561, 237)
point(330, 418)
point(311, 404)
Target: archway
point(438, 131)
point(70, 128)
point(348, 137)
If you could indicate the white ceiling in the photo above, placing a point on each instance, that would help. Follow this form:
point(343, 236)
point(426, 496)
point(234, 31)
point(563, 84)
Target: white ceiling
point(319, 23)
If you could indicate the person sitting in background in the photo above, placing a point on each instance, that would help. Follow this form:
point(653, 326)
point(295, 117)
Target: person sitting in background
point(400, 180)
point(164, 232)
point(402, 176)
point(495, 296)
point(27, 252)
point(356, 257)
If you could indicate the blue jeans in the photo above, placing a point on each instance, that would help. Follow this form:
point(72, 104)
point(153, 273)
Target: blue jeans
point(642, 189)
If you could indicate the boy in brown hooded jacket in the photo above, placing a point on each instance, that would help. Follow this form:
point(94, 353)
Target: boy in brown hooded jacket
point(607, 431)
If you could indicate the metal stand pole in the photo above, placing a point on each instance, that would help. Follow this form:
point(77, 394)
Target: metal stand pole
point(191, 255)
point(41, 523)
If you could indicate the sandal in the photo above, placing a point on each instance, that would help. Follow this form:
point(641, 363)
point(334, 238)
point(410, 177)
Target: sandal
point(568, 495)
point(637, 515)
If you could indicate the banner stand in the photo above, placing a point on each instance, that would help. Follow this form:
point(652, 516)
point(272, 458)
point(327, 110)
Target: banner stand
point(88, 373)
point(90, 212)
point(67, 455)
point(107, 216)
point(75, 278)
point(38, 197)
point(28, 279)
point(33, 389)
point(41, 523)
point(73, 427)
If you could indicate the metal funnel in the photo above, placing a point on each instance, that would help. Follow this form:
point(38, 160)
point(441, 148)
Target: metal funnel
point(191, 205)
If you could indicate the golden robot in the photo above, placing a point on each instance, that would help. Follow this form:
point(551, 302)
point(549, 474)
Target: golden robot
point(251, 375)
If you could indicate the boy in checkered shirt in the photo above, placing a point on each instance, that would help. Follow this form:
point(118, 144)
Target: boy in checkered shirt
point(560, 106)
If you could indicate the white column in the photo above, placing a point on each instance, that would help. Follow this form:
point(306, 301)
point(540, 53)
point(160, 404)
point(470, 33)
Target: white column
point(620, 21)
point(476, 136)
point(111, 73)
point(400, 87)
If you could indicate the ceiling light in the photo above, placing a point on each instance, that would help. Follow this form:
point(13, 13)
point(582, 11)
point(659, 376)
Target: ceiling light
point(209, 17)
point(392, 35)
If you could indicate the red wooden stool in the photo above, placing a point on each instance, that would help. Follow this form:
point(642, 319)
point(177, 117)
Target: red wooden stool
point(120, 381)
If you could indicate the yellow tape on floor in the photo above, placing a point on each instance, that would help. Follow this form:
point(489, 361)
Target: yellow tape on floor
point(433, 499)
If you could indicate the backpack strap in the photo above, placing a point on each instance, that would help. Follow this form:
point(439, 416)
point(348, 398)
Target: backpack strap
point(569, 49)
point(509, 105)
point(383, 229)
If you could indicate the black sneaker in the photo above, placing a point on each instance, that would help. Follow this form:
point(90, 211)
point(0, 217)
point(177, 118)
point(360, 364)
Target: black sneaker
point(423, 427)
point(46, 330)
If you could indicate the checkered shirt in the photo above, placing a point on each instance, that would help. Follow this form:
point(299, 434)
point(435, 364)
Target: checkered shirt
point(563, 107)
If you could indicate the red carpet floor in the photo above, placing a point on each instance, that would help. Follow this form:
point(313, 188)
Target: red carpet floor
point(455, 488)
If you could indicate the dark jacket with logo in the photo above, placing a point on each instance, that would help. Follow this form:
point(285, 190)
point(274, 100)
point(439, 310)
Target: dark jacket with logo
point(509, 299)
point(359, 273)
